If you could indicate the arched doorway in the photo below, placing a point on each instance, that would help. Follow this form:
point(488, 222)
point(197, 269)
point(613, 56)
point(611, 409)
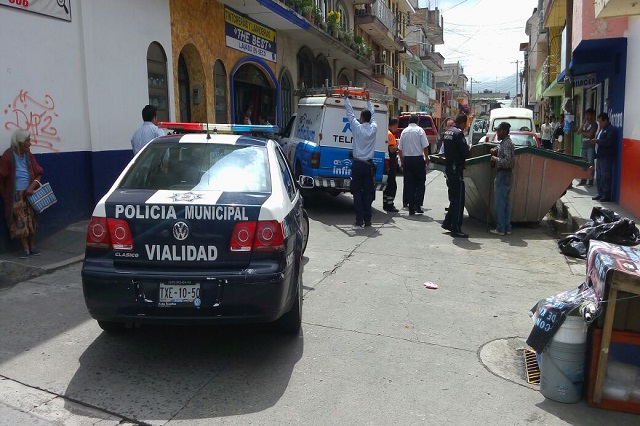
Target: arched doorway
point(183, 90)
point(305, 67)
point(286, 98)
point(191, 82)
point(158, 81)
point(343, 78)
point(252, 87)
point(323, 71)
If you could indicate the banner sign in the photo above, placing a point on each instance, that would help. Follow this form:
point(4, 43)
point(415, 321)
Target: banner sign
point(584, 81)
point(246, 35)
point(60, 9)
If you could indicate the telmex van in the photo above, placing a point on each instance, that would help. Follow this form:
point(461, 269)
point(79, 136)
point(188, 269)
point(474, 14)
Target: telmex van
point(519, 118)
point(318, 141)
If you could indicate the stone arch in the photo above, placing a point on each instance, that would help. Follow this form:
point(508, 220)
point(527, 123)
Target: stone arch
point(191, 82)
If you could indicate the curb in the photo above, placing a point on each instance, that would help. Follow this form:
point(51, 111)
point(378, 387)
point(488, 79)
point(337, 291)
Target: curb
point(12, 273)
point(566, 210)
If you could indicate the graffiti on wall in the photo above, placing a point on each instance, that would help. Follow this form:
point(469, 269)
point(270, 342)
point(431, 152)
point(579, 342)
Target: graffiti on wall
point(26, 113)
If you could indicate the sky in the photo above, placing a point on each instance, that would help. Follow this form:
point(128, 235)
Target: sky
point(485, 36)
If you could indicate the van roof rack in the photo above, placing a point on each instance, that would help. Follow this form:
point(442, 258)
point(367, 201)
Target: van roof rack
point(217, 128)
point(337, 91)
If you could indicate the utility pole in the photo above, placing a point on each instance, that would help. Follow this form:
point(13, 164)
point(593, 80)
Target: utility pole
point(567, 139)
point(517, 72)
point(471, 96)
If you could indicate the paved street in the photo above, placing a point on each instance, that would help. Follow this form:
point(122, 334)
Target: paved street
point(376, 348)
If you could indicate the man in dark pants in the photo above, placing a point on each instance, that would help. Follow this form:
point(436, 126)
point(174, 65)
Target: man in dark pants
point(456, 151)
point(414, 153)
point(389, 193)
point(606, 143)
point(362, 169)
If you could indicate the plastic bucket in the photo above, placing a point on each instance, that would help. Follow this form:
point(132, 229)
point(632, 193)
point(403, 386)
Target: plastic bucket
point(573, 330)
point(562, 371)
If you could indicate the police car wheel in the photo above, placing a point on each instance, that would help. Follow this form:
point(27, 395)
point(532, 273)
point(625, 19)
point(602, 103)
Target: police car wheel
point(112, 327)
point(291, 322)
point(305, 230)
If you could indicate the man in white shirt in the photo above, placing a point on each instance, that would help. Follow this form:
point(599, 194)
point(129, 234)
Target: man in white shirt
point(546, 131)
point(414, 156)
point(363, 169)
point(148, 130)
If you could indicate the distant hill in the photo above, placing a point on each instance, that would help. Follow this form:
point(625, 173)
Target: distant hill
point(500, 85)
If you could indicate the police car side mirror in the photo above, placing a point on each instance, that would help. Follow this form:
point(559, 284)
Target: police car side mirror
point(305, 182)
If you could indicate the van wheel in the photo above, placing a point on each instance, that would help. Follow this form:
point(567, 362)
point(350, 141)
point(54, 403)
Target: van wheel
point(291, 322)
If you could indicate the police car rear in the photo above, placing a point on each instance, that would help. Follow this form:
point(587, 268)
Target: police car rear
point(199, 228)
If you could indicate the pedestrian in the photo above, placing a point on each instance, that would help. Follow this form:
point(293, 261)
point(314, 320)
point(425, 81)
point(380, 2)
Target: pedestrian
point(588, 131)
point(606, 143)
point(503, 158)
point(246, 118)
point(414, 155)
point(546, 133)
point(148, 131)
point(363, 169)
point(389, 194)
point(456, 151)
point(558, 132)
point(19, 176)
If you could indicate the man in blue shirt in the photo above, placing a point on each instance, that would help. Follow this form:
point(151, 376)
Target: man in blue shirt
point(363, 169)
point(606, 143)
point(147, 131)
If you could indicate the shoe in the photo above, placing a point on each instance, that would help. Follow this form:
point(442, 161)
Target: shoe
point(589, 183)
point(582, 182)
point(419, 210)
point(446, 227)
point(390, 209)
point(508, 232)
point(367, 224)
point(596, 198)
point(496, 232)
point(357, 225)
point(459, 235)
point(23, 255)
point(35, 252)
point(405, 205)
point(411, 212)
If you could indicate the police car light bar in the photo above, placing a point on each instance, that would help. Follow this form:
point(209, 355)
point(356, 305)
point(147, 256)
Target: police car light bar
point(231, 129)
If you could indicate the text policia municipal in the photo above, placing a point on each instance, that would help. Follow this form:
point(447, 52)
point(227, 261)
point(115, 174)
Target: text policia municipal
point(190, 212)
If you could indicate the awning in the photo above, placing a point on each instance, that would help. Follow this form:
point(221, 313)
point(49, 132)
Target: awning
point(555, 88)
point(594, 55)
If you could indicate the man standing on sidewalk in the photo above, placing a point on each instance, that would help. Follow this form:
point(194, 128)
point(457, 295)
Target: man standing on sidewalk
point(588, 131)
point(148, 130)
point(503, 158)
point(363, 168)
point(414, 153)
point(389, 193)
point(606, 143)
point(456, 151)
point(546, 132)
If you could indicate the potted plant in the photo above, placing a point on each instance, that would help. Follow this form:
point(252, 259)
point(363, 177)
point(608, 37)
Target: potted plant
point(316, 13)
point(306, 9)
point(333, 21)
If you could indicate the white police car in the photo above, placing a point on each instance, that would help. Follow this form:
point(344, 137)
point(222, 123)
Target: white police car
point(199, 228)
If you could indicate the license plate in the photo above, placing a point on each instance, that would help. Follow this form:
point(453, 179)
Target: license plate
point(178, 294)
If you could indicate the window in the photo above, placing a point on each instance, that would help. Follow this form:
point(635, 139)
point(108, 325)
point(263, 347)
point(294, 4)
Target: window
point(286, 97)
point(287, 178)
point(157, 80)
point(344, 17)
point(220, 93)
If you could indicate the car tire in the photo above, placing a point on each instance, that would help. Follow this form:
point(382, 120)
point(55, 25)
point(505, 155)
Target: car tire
point(291, 322)
point(112, 326)
point(305, 230)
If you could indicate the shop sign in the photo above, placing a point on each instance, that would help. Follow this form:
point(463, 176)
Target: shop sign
point(584, 81)
point(246, 35)
point(60, 9)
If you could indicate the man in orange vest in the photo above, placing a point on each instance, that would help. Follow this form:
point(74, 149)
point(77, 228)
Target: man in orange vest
point(389, 193)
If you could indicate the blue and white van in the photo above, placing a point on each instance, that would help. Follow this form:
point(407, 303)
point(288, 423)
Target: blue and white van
point(318, 141)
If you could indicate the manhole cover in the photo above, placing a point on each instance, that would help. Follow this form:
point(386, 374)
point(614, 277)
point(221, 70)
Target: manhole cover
point(506, 359)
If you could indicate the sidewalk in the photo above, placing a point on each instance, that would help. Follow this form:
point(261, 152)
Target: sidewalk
point(61, 249)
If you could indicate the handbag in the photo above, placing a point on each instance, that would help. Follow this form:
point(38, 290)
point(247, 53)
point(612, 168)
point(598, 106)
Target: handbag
point(42, 198)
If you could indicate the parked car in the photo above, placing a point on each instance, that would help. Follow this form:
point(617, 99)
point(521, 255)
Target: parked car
point(199, 228)
point(519, 139)
point(426, 122)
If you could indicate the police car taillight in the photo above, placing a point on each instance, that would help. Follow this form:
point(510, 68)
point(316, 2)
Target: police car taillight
point(106, 233)
point(260, 236)
point(269, 236)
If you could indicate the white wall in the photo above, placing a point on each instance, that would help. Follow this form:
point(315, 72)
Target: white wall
point(632, 86)
point(86, 78)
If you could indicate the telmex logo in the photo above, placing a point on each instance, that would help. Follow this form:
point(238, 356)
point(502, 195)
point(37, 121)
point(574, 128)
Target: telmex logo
point(180, 231)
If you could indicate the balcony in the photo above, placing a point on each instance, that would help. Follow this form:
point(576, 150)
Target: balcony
point(383, 70)
point(431, 22)
point(615, 8)
point(433, 60)
point(378, 21)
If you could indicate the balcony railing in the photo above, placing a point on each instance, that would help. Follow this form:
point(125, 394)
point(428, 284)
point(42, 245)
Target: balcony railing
point(384, 70)
point(381, 12)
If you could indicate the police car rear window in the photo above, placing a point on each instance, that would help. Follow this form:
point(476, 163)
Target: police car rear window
point(213, 167)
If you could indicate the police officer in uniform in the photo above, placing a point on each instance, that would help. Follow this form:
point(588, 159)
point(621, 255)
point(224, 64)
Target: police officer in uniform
point(456, 151)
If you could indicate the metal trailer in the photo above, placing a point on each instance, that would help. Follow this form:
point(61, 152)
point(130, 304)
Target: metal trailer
point(540, 178)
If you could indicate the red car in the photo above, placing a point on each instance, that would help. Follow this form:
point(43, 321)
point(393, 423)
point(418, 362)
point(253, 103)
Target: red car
point(425, 121)
point(519, 138)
